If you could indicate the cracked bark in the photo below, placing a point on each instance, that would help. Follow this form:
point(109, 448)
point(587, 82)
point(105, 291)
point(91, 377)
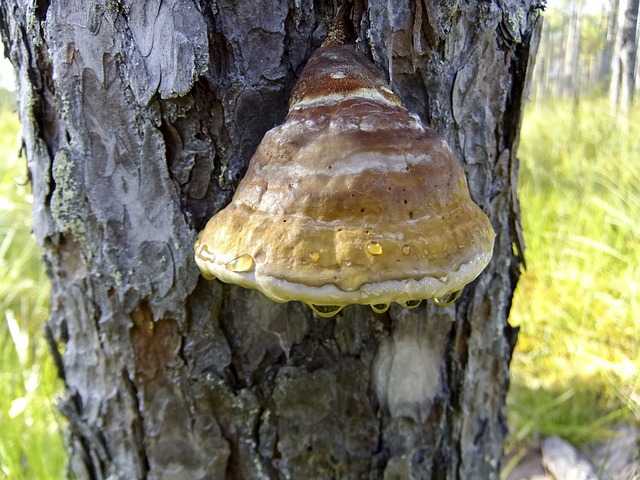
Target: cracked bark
point(139, 118)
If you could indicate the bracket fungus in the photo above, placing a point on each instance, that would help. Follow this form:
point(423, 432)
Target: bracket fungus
point(351, 200)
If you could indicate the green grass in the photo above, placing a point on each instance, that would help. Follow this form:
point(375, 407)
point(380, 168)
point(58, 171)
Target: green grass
point(577, 363)
point(31, 443)
point(576, 369)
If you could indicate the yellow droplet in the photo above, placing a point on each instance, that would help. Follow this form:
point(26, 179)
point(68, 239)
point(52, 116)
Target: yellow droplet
point(380, 307)
point(447, 299)
point(374, 248)
point(406, 250)
point(243, 263)
point(314, 256)
point(149, 326)
point(205, 254)
point(207, 275)
point(326, 311)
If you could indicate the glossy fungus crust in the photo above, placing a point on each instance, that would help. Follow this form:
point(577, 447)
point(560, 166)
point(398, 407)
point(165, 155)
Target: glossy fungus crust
point(352, 200)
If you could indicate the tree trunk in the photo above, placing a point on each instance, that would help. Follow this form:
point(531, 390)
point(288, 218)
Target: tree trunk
point(571, 65)
point(609, 43)
point(139, 119)
point(540, 79)
point(623, 68)
point(550, 58)
point(636, 80)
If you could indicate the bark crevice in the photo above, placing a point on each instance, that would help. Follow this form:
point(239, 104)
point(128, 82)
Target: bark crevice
point(138, 425)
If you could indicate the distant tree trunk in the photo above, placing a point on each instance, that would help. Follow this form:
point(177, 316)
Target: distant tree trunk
point(623, 67)
point(637, 64)
point(571, 66)
point(139, 119)
point(541, 73)
point(554, 76)
point(606, 57)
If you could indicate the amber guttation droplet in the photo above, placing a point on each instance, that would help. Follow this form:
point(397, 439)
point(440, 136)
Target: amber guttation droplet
point(412, 304)
point(204, 254)
point(374, 248)
point(448, 299)
point(244, 263)
point(406, 250)
point(314, 256)
point(380, 307)
point(326, 311)
point(207, 275)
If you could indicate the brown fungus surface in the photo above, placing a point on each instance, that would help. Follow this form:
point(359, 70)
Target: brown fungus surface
point(350, 201)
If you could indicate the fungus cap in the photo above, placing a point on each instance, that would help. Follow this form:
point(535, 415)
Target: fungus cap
point(352, 200)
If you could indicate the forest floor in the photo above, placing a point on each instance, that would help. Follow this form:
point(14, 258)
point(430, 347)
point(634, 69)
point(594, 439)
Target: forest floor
point(576, 370)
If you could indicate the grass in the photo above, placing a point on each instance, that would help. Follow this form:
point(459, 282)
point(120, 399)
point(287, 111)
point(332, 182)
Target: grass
point(576, 369)
point(577, 363)
point(31, 443)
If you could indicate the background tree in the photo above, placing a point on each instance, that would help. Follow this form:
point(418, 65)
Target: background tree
point(586, 50)
point(623, 67)
point(606, 56)
point(571, 65)
point(139, 119)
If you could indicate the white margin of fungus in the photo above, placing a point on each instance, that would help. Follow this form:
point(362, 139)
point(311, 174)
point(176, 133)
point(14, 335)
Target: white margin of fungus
point(387, 291)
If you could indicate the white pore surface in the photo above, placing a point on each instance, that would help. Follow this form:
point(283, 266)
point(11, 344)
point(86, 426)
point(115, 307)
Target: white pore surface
point(388, 291)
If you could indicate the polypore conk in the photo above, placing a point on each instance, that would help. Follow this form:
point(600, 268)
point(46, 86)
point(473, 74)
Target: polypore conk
point(352, 200)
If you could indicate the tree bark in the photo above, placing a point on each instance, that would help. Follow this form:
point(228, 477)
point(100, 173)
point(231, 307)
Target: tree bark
point(623, 68)
point(139, 119)
point(571, 64)
point(606, 57)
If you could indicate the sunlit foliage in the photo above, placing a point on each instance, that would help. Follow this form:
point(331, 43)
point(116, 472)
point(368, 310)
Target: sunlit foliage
point(31, 443)
point(577, 364)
